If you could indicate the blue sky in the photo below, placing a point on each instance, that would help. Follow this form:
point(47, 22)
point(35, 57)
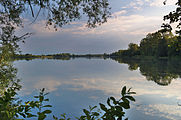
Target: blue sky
point(131, 20)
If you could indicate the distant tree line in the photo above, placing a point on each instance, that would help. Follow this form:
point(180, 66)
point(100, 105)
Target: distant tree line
point(159, 44)
point(60, 56)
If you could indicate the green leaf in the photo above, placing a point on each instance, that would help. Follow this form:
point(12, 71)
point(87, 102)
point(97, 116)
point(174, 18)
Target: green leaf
point(47, 106)
point(41, 116)
point(108, 102)
point(22, 114)
point(55, 118)
point(130, 98)
point(92, 108)
point(29, 115)
point(41, 98)
point(103, 107)
point(125, 100)
point(129, 90)
point(132, 92)
point(119, 108)
point(86, 112)
point(43, 89)
point(95, 114)
point(46, 99)
point(124, 105)
point(27, 108)
point(114, 100)
point(82, 117)
point(47, 111)
point(123, 92)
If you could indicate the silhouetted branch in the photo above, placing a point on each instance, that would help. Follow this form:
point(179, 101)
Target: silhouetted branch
point(31, 8)
point(36, 16)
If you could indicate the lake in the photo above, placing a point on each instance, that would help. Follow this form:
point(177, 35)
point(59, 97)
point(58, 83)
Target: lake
point(127, 34)
point(75, 84)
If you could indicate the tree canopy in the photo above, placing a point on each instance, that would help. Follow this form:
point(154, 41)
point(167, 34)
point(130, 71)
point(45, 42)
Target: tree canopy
point(58, 12)
point(158, 44)
point(174, 17)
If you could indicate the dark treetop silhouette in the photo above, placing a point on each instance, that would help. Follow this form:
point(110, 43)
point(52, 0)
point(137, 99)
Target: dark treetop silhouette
point(58, 12)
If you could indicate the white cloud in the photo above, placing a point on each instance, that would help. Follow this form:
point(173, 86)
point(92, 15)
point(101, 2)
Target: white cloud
point(135, 5)
point(108, 85)
point(140, 4)
point(119, 24)
point(119, 13)
point(39, 28)
point(127, 25)
point(114, 86)
point(102, 84)
point(171, 112)
point(159, 3)
point(166, 91)
point(48, 83)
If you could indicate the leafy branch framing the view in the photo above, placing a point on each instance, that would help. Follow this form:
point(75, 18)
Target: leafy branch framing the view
point(13, 109)
point(173, 17)
point(58, 12)
point(113, 110)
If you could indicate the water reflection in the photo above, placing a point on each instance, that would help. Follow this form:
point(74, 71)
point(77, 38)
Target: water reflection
point(87, 82)
point(74, 84)
point(161, 71)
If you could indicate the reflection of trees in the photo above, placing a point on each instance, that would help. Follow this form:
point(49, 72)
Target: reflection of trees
point(160, 71)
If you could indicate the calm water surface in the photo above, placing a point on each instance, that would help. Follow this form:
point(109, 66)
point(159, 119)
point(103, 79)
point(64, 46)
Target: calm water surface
point(76, 84)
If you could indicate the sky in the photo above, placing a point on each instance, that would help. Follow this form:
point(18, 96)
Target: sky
point(131, 21)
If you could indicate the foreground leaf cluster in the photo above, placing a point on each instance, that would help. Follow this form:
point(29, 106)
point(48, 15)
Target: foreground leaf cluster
point(13, 109)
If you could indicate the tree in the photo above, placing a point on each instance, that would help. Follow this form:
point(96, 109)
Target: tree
point(133, 49)
point(158, 44)
point(173, 17)
point(149, 45)
point(59, 12)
